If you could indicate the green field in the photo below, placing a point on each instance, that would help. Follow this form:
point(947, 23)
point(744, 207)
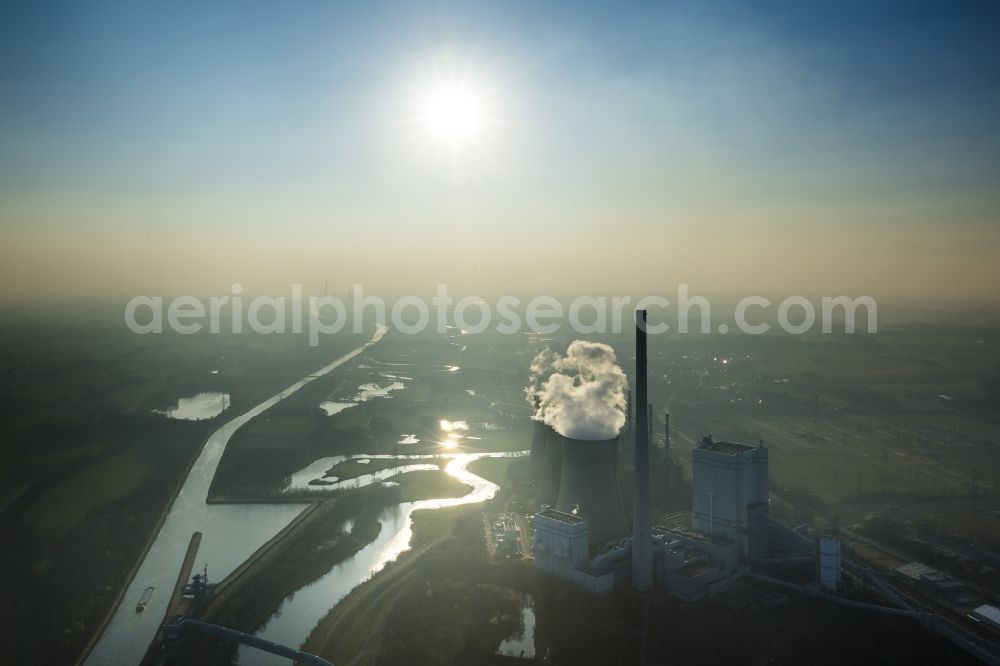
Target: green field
point(66, 503)
point(491, 469)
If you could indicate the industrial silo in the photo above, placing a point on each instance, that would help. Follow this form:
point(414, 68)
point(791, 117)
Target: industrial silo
point(829, 563)
point(589, 487)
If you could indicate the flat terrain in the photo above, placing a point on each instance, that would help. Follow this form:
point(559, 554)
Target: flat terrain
point(451, 397)
point(860, 423)
point(89, 466)
point(901, 428)
point(414, 611)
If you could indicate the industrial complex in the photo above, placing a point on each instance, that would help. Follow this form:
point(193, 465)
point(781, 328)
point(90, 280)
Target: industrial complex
point(584, 539)
point(581, 533)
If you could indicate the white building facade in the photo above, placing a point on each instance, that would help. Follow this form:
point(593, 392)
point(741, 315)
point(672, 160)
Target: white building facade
point(561, 542)
point(562, 550)
point(729, 484)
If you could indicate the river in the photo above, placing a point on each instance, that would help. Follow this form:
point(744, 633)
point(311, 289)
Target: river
point(302, 610)
point(231, 533)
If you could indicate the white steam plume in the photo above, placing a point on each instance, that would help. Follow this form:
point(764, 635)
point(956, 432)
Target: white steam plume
point(541, 369)
point(582, 394)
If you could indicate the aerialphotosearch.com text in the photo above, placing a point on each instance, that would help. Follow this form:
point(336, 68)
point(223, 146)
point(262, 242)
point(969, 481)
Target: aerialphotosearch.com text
point(586, 315)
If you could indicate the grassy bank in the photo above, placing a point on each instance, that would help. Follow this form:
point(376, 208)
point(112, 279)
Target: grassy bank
point(310, 550)
point(440, 603)
point(338, 529)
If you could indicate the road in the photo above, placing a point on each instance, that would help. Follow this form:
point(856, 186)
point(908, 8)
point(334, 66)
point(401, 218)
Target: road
point(524, 540)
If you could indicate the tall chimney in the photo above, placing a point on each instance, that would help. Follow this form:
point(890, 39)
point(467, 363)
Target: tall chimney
point(651, 424)
point(642, 549)
point(667, 433)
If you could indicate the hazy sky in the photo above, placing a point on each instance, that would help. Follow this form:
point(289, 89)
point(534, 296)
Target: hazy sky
point(179, 147)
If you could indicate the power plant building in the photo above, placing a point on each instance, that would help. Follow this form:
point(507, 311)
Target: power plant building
point(562, 550)
point(729, 493)
point(561, 542)
point(580, 531)
point(730, 524)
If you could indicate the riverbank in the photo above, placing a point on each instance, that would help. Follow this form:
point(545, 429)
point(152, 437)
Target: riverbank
point(334, 531)
point(346, 634)
point(409, 487)
point(440, 602)
point(237, 531)
point(90, 469)
point(150, 540)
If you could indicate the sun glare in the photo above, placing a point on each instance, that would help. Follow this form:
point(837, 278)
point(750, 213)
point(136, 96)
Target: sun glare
point(454, 112)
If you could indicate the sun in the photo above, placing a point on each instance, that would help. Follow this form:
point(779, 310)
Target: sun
point(454, 111)
point(453, 114)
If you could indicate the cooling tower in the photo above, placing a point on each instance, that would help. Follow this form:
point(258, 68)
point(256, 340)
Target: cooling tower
point(589, 486)
point(551, 470)
point(539, 433)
